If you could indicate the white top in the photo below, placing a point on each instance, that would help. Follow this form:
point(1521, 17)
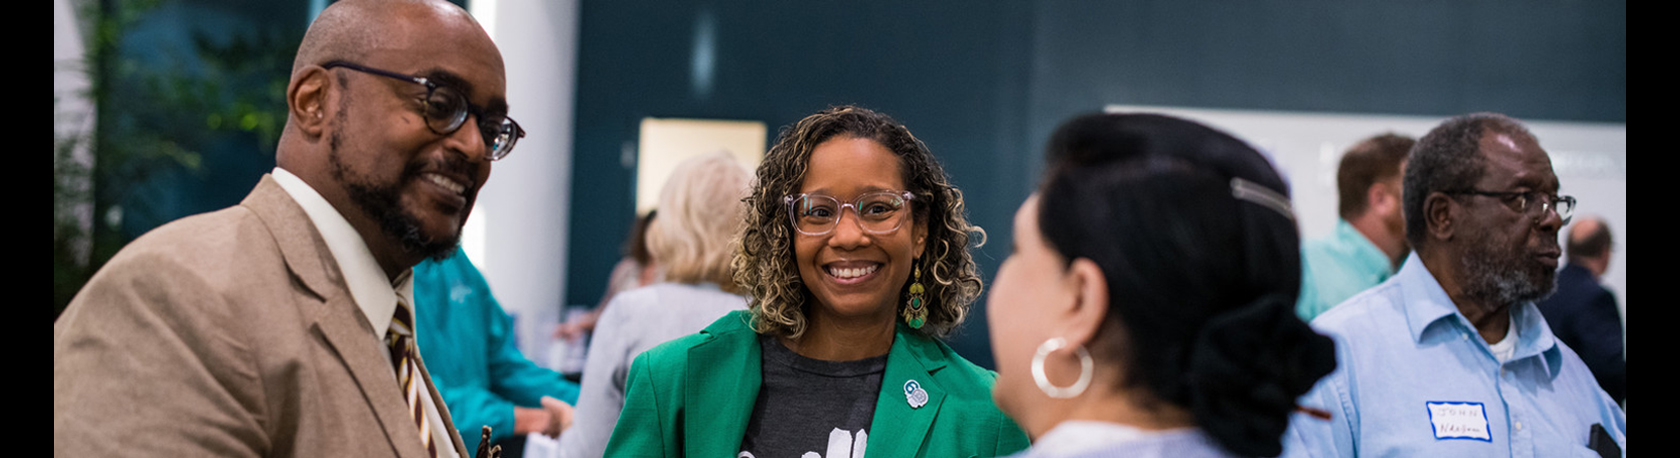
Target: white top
point(1084, 438)
point(1506, 347)
point(635, 321)
point(376, 297)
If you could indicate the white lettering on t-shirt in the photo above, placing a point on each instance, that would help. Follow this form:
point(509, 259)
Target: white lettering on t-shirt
point(841, 444)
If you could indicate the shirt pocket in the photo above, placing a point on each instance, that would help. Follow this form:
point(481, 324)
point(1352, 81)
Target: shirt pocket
point(1554, 445)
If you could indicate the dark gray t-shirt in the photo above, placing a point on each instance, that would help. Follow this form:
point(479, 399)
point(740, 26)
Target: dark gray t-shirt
point(809, 408)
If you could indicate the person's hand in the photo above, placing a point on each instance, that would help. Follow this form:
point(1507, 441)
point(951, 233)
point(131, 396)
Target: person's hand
point(568, 330)
point(577, 327)
point(560, 414)
point(529, 420)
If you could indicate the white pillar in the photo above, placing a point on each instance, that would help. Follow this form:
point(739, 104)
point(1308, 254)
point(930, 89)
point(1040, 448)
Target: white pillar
point(73, 116)
point(521, 213)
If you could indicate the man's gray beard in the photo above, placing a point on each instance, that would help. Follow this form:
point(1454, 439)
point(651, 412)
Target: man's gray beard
point(1502, 285)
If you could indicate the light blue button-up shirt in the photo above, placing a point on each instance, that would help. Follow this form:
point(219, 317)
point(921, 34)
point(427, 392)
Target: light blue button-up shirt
point(1336, 267)
point(1413, 378)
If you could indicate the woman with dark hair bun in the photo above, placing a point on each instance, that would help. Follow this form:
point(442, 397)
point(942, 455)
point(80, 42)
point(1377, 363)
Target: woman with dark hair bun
point(1146, 308)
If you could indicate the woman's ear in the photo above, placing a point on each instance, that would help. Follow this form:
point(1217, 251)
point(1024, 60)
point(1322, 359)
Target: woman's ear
point(919, 238)
point(1090, 304)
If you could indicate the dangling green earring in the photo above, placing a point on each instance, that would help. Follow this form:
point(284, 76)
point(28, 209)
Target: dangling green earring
point(915, 314)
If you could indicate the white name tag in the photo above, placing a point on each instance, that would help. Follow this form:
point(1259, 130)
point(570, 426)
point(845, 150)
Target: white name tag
point(1459, 420)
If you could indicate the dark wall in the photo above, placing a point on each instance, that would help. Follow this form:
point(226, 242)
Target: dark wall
point(1554, 60)
point(984, 83)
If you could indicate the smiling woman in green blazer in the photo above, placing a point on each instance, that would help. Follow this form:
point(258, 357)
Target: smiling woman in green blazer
point(855, 261)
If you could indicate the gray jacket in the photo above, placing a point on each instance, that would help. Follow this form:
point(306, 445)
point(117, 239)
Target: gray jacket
point(634, 321)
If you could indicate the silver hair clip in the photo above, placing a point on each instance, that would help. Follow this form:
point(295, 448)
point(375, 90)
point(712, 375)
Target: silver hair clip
point(1254, 192)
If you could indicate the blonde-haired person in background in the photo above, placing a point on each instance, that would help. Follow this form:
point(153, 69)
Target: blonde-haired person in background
point(700, 212)
point(856, 258)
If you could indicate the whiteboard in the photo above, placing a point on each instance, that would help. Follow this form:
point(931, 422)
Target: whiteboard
point(666, 142)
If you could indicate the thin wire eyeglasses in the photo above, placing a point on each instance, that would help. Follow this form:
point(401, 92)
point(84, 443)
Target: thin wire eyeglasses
point(876, 212)
point(1563, 205)
point(446, 109)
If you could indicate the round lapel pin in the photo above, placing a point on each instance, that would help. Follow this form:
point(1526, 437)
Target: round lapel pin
point(915, 395)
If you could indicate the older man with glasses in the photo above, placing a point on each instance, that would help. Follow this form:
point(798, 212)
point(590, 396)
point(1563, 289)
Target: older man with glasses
point(1450, 357)
point(284, 326)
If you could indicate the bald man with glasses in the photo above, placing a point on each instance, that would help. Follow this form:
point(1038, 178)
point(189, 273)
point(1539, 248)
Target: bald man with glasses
point(283, 326)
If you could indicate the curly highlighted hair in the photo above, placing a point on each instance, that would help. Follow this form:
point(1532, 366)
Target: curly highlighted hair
point(764, 264)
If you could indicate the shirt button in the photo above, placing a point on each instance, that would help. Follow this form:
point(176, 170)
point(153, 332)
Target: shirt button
point(1519, 426)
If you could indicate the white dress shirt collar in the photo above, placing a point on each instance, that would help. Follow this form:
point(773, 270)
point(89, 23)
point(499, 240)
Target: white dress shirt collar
point(376, 297)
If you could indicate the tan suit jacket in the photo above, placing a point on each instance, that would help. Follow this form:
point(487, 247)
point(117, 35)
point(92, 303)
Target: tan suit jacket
point(230, 333)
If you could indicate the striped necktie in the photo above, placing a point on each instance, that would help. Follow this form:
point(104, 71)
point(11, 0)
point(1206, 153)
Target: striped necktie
point(400, 339)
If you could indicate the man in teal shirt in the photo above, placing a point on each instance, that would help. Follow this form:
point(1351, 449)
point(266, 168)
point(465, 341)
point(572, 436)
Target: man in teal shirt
point(467, 342)
point(1370, 237)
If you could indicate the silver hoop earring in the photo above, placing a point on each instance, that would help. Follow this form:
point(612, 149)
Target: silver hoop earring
point(1085, 370)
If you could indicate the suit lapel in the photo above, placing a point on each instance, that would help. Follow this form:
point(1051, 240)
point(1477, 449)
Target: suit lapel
point(326, 303)
point(301, 245)
point(897, 427)
point(347, 331)
point(720, 387)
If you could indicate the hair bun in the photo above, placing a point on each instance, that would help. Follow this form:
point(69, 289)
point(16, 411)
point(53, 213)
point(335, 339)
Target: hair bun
point(1248, 367)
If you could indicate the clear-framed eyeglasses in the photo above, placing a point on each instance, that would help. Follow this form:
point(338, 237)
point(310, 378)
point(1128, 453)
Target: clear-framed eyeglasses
point(1524, 202)
point(876, 212)
point(446, 109)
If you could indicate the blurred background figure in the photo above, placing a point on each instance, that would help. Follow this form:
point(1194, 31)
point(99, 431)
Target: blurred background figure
point(1582, 313)
point(468, 342)
point(856, 258)
point(1370, 237)
point(694, 240)
point(635, 270)
point(1146, 308)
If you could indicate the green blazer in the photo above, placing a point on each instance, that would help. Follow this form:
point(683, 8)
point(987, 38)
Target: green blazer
point(694, 395)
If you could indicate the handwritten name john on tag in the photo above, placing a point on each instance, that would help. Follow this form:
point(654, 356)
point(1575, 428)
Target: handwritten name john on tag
point(1459, 420)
